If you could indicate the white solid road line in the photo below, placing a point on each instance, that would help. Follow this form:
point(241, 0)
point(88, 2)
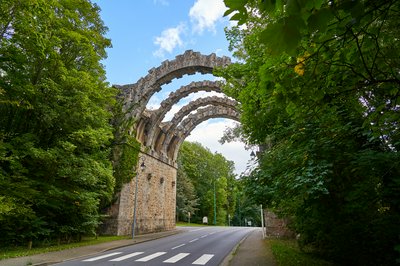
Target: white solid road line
point(152, 256)
point(104, 256)
point(127, 256)
point(203, 259)
point(178, 246)
point(176, 258)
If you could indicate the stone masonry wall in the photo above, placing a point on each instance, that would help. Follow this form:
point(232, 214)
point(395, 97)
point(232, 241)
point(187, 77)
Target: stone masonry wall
point(276, 227)
point(156, 199)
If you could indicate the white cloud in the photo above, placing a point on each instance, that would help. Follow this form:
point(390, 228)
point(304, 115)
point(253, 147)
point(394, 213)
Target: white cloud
point(205, 13)
point(169, 39)
point(209, 132)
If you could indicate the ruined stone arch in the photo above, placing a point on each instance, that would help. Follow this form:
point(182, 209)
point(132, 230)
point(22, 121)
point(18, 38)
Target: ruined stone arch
point(180, 133)
point(168, 129)
point(164, 128)
point(136, 96)
point(152, 123)
point(150, 131)
point(201, 102)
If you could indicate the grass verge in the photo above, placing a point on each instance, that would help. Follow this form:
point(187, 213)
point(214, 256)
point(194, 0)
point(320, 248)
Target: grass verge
point(287, 253)
point(188, 224)
point(13, 252)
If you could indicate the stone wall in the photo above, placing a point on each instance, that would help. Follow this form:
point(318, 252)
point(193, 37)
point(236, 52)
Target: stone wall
point(156, 199)
point(275, 226)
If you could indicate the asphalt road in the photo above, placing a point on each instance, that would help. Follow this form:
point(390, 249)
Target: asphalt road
point(197, 246)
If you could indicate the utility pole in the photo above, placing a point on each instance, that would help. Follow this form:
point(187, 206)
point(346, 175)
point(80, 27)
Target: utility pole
point(240, 215)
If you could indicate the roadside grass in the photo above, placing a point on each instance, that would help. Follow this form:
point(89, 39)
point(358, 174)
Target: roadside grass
point(188, 224)
point(287, 253)
point(13, 252)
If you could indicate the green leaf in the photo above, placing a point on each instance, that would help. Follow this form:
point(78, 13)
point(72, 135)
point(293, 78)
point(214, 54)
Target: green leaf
point(358, 10)
point(283, 36)
point(293, 7)
point(314, 4)
point(229, 11)
point(238, 17)
point(235, 4)
point(269, 5)
point(320, 19)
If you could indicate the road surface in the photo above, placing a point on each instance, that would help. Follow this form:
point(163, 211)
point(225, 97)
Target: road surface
point(196, 246)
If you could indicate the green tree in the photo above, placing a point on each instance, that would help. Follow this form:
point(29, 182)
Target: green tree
point(54, 113)
point(319, 88)
point(205, 169)
point(186, 198)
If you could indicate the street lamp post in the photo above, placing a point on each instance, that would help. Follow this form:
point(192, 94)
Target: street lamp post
point(215, 207)
point(142, 167)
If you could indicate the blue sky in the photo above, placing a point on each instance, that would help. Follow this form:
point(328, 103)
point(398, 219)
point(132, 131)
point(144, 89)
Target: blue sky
point(144, 33)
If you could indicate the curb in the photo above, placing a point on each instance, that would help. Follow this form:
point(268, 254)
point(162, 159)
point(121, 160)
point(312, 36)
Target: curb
point(230, 256)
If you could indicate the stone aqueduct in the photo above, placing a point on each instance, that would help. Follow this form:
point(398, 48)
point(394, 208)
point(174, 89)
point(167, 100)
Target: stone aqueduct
point(160, 141)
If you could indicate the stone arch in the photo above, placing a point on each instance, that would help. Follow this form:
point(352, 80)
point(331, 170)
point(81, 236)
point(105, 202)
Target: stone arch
point(136, 96)
point(179, 134)
point(201, 102)
point(167, 130)
point(156, 116)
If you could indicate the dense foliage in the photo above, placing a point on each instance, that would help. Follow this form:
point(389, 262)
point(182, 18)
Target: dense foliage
point(125, 148)
point(200, 173)
point(318, 83)
point(55, 172)
point(247, 212)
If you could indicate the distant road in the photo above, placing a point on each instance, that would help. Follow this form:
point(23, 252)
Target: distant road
point(196, 246)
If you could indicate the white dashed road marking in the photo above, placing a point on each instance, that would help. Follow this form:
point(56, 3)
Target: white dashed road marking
point(152, 256)
point(203, 259)
point(127, 256)
point(178, 246)
point(103, 256)
point(176, 258)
